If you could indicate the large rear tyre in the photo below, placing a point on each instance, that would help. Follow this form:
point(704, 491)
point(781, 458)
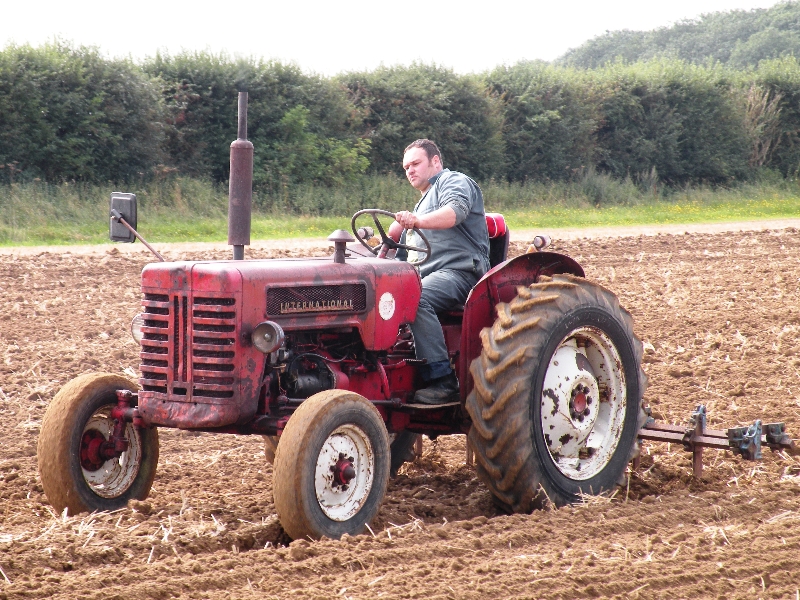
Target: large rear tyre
point(331, 466)
point(557, 402)
point(78, 417)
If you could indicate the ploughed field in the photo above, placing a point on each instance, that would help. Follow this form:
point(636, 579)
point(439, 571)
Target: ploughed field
point(720, 319)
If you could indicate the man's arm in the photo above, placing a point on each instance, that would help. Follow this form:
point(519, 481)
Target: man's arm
point(441, 218)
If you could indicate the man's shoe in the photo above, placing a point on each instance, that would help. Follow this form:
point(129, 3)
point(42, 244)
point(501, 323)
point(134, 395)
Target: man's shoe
point(441, 390)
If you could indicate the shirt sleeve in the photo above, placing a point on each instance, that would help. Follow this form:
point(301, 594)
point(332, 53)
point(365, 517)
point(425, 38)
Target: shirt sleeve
point(454, 191)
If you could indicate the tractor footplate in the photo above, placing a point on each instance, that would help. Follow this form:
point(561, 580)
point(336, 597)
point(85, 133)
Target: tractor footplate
point(419, 406)
point(743, 441)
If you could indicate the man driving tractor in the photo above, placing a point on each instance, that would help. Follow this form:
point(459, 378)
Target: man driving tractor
point(451, 215)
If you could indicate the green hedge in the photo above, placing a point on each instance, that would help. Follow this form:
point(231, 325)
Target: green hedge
point(68, 113)
point(303, 127)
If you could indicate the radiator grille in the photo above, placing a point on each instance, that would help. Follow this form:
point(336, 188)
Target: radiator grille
point(188, 347)
point(316, 299)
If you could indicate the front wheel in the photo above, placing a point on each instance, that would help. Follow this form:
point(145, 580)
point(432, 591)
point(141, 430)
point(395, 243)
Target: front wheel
point(73, 474)
point(402, 448)
point(331, 466)
point(557, 403)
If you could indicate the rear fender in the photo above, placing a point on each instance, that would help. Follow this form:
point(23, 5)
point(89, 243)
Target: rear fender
point(500, 285)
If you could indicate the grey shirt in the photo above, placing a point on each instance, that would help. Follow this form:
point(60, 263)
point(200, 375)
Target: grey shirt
point(465, 246)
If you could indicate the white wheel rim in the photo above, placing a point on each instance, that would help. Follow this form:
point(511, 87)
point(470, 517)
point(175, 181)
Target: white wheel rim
point(116, 475)
point(340, 502)
point(583, 403)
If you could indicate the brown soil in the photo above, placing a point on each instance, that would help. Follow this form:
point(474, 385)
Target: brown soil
point(719, 316)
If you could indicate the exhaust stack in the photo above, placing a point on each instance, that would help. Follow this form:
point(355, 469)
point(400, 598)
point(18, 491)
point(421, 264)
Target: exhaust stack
point(240, 190)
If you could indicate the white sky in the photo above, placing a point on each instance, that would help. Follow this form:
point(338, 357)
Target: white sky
point(330, 37)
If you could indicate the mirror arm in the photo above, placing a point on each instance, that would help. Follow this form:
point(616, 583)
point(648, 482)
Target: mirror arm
point(115, 214)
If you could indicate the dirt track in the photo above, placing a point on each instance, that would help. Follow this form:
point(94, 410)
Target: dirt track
point(720, 319)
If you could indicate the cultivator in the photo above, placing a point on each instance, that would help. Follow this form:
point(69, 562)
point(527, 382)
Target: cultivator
point(746, 441)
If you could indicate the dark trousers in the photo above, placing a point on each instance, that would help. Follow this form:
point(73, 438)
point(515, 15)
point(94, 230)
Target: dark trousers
point(441, 290)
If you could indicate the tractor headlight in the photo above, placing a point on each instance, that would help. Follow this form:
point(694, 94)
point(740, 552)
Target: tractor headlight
point(268, 337)
point(136, 328)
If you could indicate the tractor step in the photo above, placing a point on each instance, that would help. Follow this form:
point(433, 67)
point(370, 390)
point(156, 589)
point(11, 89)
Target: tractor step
point(744, 441)
point(419, 406)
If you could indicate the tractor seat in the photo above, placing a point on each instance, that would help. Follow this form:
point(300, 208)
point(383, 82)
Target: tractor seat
point(499, 235)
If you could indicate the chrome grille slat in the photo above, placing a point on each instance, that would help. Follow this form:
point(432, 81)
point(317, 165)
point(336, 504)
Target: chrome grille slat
point(222, 336)
point(212, 387)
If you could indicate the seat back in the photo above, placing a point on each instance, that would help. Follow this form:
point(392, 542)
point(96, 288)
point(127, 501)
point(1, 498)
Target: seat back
point(498, 238)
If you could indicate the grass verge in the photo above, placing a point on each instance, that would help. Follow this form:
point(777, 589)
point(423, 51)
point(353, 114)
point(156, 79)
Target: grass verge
point(186, 210)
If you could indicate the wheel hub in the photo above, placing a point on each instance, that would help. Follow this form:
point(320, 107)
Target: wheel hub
point(91, 450)
point(568, 406)
point(107, 471)
point(579, 405)
point(344, 472)
point(583, 403)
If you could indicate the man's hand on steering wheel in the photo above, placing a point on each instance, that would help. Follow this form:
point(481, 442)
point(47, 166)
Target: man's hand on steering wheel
point(388, 240)
point(407, 220)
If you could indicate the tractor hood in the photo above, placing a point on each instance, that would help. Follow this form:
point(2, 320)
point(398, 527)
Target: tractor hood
point(372, 295)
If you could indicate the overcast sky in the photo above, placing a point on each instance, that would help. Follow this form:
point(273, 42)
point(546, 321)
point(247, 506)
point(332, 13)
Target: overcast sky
point(330, 37)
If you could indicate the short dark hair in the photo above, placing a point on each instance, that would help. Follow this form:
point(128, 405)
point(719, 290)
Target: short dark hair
point(430, 147)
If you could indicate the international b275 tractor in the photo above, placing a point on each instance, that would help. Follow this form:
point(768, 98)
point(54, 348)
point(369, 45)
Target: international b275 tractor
point(316, 355)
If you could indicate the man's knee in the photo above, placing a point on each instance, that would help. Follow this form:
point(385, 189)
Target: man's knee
point(445, 290)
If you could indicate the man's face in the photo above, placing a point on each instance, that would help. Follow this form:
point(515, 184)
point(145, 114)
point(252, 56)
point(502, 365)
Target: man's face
point(419, 168)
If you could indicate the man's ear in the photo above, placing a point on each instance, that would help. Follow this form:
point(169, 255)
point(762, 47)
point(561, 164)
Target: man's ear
point(437, 161)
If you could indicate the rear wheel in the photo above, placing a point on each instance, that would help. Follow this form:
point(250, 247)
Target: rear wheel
point(557, 402)
point(331, 466)
point(74, 474)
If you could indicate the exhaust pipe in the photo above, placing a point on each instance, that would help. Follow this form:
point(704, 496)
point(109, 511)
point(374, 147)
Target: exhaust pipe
point(240, 190)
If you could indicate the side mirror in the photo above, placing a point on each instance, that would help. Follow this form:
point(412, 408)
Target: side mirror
point(123, 205)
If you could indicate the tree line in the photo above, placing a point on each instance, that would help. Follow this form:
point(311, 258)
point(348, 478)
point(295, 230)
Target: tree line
point(69, 114)
point(737, 38)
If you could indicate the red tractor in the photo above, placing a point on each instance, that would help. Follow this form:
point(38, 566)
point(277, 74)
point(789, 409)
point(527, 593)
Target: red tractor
point(316, 355)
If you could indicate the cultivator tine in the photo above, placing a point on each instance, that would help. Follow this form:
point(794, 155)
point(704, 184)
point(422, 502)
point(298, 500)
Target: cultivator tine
point(698, 423)
point(744, 441)
point(776, 438)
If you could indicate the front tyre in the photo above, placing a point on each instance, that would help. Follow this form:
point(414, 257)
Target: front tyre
point(78, 418)
point(557, 402)
point(402, 447)
point(331, 466)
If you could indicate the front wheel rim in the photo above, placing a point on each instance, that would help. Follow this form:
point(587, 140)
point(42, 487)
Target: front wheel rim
point(583, 403)
point(115, 476)
point(344, 473)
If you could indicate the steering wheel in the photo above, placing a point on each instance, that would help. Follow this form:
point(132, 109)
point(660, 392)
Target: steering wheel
point(387, 242)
